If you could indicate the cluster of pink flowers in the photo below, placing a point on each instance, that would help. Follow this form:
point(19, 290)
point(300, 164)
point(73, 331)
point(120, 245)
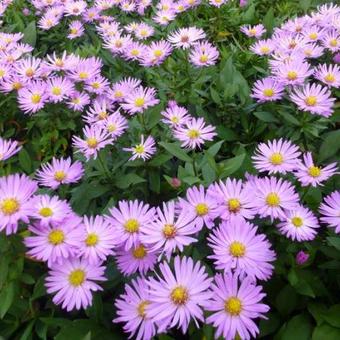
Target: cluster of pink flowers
point(3, 6)
point(138, 236)
point(293, 49)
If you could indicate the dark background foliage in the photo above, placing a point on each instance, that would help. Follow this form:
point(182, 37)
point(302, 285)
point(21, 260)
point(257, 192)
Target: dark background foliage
point(304, 300)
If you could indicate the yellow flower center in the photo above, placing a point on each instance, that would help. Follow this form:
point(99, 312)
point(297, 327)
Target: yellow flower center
point(311, 100)
point(330, 78)
point(131, 225)
point(201, 209)
point(92, 240)
point(46, 212)
point(179, 295)
point(268, 92)
point(276, 158)
point(291, 75)
point(2, 73)
point(333, 42)
point(314, 171)
point(233, 306)
point(139, 149)
point(30, 72)
point(59, 175)
point(234, 205)
point(139, 252)
point(74, 31)
point(169, 231)
point(95, 85)
point(17, 86)
point(118, 94)
point(92, 142)
point(175, 119)
point(9, 206)
point(56, 237)
point(272, 199)
point(313, 36)
point(83, 75)
point(237, 249)
point(56, 91)
point(59, 62)
point(252, 31)
point(203, 58)
point(157, 53)
point(297, 221)
point(141, 308)
point(102, 115)
point(77, 277)
point(35, 98)
point(143, 33)
point(193, 134)
point(134, 52)
point(139, 102)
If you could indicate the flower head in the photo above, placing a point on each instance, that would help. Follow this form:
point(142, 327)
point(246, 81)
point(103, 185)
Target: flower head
point(330, 211)
point(203, 54)
point(267, 89)
point(8, 148)
point(145, 149)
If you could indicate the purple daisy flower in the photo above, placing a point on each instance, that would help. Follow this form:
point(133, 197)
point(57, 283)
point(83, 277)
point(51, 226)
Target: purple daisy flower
point(137, 259)
point(313, 98)
point(8, 148)
point(33, 98)
point(273, 196)
point(253, 31)
point(267, 89)
point(310, 174)
point(98, 239)
point(299, 224)
point(328, 74)
point(175, 115)
point(169, 230)
point(132, 309)
point(203, 54)
point(276, 156)
point(115, 124)
point(145, 149)
point(178, 296)
point(235, 306)
point(15, 193)
point(330, 211)
point(128, 220)
point(58, 172)
point(73, 281)
point(237, 247)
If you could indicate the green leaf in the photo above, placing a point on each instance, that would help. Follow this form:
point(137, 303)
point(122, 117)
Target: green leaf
point(326, 332)
point(297, 328)
point(269, 20)
point(125, 181)
point(30, 34)
point(334, 241)
point(266, 117)
point(330, 145)
point(285, 301)
point(214, 149)
point(6, 298)
point(332, 315)
point(231, 165)
point(25, 161)
point(317, 310)
point(305, 4)
point(176, 151)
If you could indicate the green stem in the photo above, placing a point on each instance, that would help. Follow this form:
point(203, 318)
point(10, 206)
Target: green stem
point(106, 170)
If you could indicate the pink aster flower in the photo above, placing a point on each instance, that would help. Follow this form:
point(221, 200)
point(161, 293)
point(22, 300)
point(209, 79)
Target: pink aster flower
point(234, 199)
point(139, 100)
point(299, 224)
point(29, 68)
point(98, 239)
point(144, 31)
point(132, 309)
point(301, 258)
point(235, 304)
point(15, 192)
point(267, 89)
point(134, 50)
point(55, 242)
point(310, 174)
point(98, 112)
point(203, 54)
point(175, 115)
point(328, 74)
point(78, 100)
point(59, 171)
point(33, 98)
point(263, 47)
point(237, 247)
point(169, 230)
point(73, 282)
point(217, 3)
point(253, 31)
point(115, 124)
point(139, 258)
point(61, 63)
point(331, 41)
point(76, 29)
point(58, 89)
point(330, 211)
point(313, 51)
point(178, 296)
point(75, 8)
point(123, 87)
point(313, 98)
point(186, 37)
point(95, 139)
point(273, 196)
point(85, 69)
point(128, 220)
point(156, 53)
point(48, 209)
point(276, 156)
point(145, 149)
point(194, 133)
point(97, 85)
point(201, 205)
point(8, 148)
point(292, 72)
